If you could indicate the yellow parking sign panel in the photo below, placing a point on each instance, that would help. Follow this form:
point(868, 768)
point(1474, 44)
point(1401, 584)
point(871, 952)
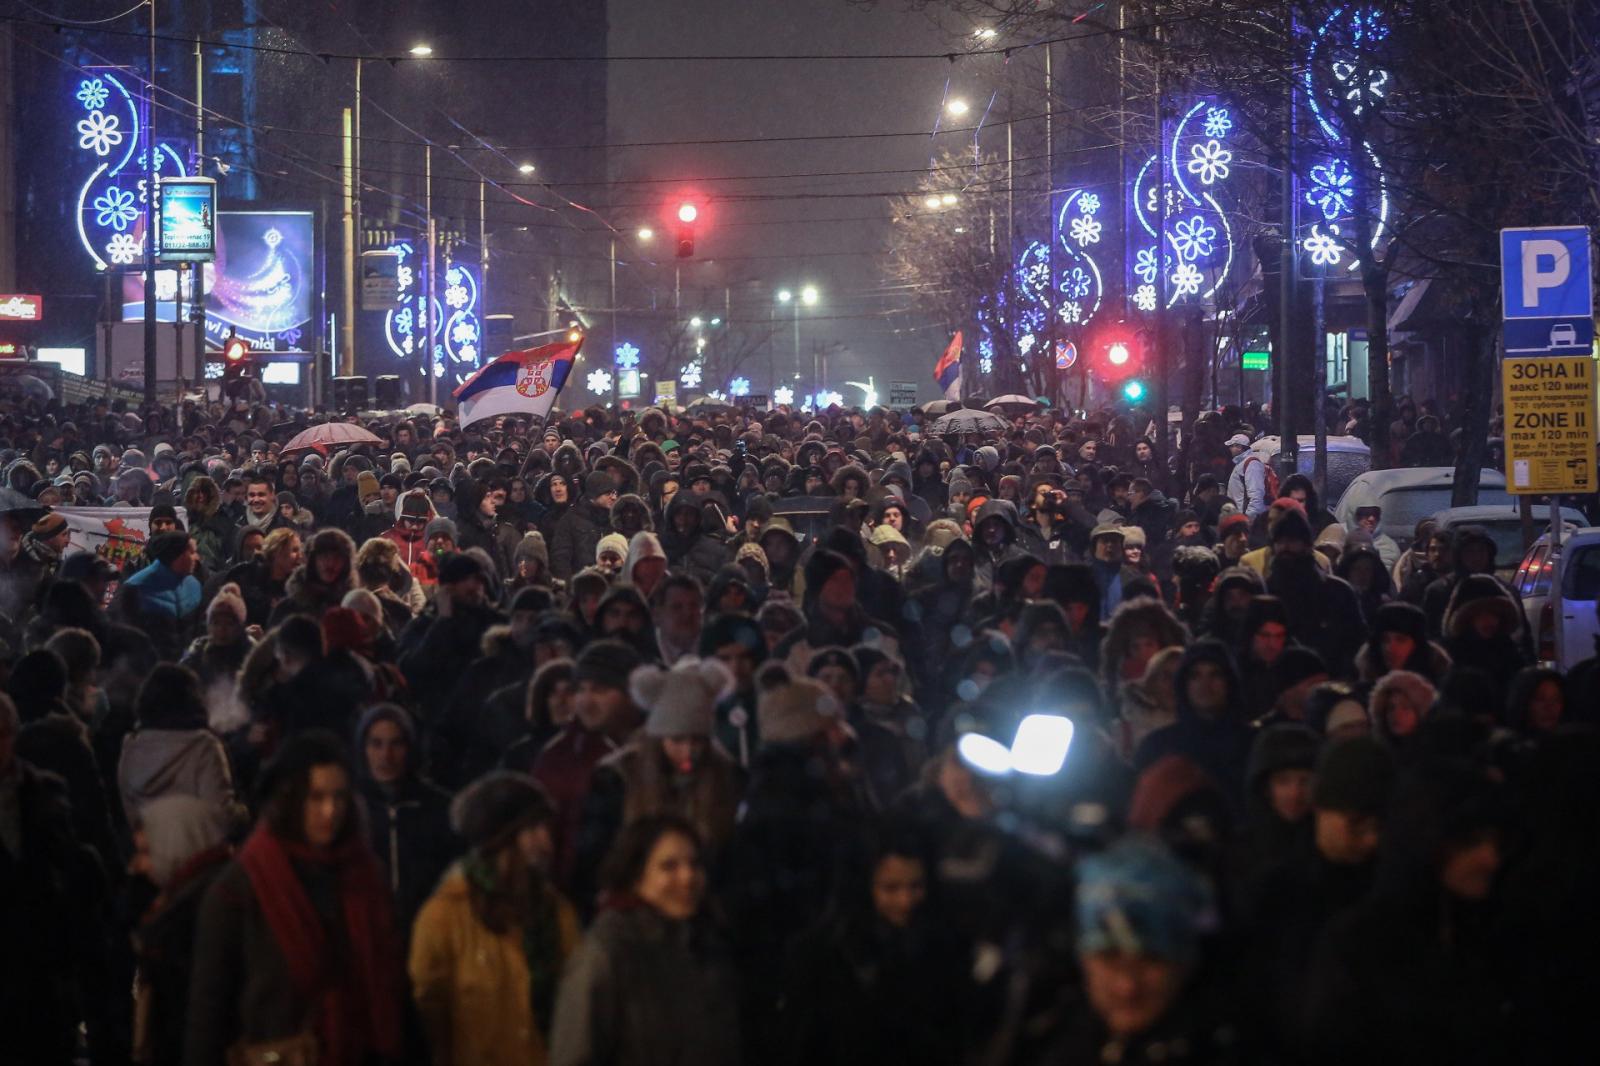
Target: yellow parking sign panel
point(1550, 424)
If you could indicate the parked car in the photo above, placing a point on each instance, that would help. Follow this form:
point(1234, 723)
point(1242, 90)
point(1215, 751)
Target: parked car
point(1504, 526)
point(1410, 494)
point(1348, 458)
point(1580, 588)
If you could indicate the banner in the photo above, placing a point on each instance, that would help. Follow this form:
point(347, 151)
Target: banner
point(116, 534)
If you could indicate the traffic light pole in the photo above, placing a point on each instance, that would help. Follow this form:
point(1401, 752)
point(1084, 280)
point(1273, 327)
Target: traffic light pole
point(150, 198)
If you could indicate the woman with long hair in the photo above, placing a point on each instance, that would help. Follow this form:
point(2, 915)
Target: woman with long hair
point(489, 945)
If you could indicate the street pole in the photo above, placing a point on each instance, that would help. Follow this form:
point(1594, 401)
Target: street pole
point(198, 298)
point(797, 335)
point(615, 385)
point(483, 261)
point(347, 325)
point(355, 148)
point(433, 277)
point(1158, 376)
point(1319, 374)
point(150, 198)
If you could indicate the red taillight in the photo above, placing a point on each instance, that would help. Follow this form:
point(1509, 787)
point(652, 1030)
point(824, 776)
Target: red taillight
point(1547, 632)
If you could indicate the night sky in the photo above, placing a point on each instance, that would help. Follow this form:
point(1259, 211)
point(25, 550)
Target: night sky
point(833, 242)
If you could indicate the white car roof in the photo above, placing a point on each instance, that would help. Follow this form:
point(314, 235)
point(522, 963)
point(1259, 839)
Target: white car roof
point(1457, 516)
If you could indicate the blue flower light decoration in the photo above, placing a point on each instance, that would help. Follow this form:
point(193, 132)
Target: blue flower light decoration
point(114, 208)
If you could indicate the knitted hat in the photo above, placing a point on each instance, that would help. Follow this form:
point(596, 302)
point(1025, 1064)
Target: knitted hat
point(227, 600)
point(1354, 775)
point(599, 484)
point(366, 485)
point(615, 543)
point(1297, 664)
point(342, 630)
point(605, 662)
point(439, 527)
point(1235, 521)
point(682, 701)
point(1137, 898)
point(794, 710)
point(1284, 746)
point(1291, 524)
point(491, 810)
point(458, 566)
point(49, 525)
point(363, 602)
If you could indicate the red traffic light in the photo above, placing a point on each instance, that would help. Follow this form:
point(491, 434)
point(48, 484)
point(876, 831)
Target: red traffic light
point(688, 211)
point(236, 349)
point(1117, 354)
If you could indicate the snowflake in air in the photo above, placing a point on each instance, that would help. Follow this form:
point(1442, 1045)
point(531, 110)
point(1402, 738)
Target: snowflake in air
point(405, 278)
point(1075, 285)
point(783, 396)
point(464, 333)
point(1144, 297)
point(1186, 279)
point(1089, 203)
point(690, 376)
point(1210, 161)
point(99, 132)
point(1193, 238)
point(1145, 265)
point(1218, 122)
point(122, 248)
point(456, 296)
point(404, 321)
point(1331, 188)
point(1071, 311)
point(1086, 231)
point(114, 208)
point(599, 382)
point(739, 387)
point(1323, 249)
point(93, 94)
point(627, 356)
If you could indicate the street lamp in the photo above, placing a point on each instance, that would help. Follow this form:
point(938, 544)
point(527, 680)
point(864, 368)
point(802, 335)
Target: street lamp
point(987, 33)
point(421, 51)
point(932, 202)
point(949, 199)
point(646, 233)
point(956, 107)
point(810, 295)
point(784, 296)
point(695, 322)
point(526, 168)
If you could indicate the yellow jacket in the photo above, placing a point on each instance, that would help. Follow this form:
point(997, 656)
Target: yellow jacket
point(472, 985)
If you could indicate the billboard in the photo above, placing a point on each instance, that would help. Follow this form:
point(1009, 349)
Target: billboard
point(263, 283)
point(187, 213)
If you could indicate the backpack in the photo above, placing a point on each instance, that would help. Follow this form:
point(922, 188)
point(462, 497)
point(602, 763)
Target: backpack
point(1269, 477)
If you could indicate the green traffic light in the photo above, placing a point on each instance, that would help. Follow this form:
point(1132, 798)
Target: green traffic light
point(1133, 391)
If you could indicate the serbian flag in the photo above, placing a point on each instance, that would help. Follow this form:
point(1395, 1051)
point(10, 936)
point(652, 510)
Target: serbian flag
point(518, 383)
point(947, 372)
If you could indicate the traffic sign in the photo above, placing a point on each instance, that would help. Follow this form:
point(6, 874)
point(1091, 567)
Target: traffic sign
point(1256, 360)
point(1550, 424)
point(1546, 291)
point(1066, 355)
point(902, 394)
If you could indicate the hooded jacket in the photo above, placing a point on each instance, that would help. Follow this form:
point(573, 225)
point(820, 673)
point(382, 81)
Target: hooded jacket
point(698, 552)
point(989, 558)
point(1219, 745)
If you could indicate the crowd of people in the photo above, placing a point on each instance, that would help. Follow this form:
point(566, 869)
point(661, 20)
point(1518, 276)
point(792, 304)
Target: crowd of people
point(766, 737)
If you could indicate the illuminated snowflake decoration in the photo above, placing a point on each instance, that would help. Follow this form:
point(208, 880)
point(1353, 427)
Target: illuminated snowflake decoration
point(469, 352)
point(1146, 265)
point(1144, 297)
point(1362, 86)
point(1368, 26)
point(1071, 312)
point(405, 277)
point(123, 249)
point(783, 396)
point(599, 381)
point(1025, 343)
point(1331, 189)
point(626, 355)
point(1218, 122)
point(114, 208)
point(1075, 286)
point(739, 387)
point(404, 320)
point(1089, 203)
point(1186, 280)
point(455, 296)
point(690, 376)
point(1085, 230)
point(99, 133)
point(1193, 238)
point(93, 94)
point(986, 364)
point(1323, 248)
point(464, 333)
point(1210, 161)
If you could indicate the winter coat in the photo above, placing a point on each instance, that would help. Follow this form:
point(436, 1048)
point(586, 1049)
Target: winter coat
point(646, 991)
point(169, 762)
point(699, 553)
point(468, 740)
point(409, 829)
point(164, 944)
point(304, 594)
point(430, 643)
point(472, 985)
point(56, 744)
point(261, 593)
point(577, 536)
point(565, 769)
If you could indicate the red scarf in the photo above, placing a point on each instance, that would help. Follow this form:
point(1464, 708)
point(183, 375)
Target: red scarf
point(356, 1005)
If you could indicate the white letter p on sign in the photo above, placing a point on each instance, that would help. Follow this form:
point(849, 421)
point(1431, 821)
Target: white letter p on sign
point(1554, 274)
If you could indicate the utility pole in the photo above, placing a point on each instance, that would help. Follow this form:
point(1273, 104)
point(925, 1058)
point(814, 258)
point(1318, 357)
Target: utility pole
point(616, 386)
point(150, 204)
point(427, 288)
point(1158, 378)
point(1288, 442)
point(198, 299)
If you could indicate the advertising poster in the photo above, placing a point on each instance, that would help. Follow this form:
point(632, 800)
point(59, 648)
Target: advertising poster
point(188, 215)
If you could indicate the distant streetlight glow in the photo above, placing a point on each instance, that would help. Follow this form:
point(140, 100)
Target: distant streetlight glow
point(932, 202)
point(646, 233)
point(957, 107)
point(784, 296)
point(809, 295)
point(949, 199)
point(987, 33)
point(526, 168)
point(696, 322)
point(421, 51)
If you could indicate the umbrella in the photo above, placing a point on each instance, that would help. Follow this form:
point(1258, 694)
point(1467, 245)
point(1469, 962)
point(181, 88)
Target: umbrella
point(424, 408)
point(941, 407)
point(1011, 403)
point(709, 405)
point(969, 422)
point(330, 435)
point(23, 510)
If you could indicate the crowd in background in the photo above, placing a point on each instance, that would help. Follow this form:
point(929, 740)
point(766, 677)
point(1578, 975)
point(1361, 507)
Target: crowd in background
point(767, 737)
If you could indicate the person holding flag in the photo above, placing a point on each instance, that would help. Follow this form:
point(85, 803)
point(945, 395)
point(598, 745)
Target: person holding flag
point(518, 383)
point(947, 371)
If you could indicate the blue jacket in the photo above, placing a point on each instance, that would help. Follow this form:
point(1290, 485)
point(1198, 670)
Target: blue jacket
point(163, 592)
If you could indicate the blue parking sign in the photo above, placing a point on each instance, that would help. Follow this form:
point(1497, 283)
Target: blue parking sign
point(1545, 280)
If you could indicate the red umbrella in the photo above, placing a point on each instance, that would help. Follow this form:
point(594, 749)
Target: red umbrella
point(330, 435)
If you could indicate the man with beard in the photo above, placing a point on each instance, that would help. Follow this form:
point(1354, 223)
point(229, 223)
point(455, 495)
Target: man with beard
point(1324, 613)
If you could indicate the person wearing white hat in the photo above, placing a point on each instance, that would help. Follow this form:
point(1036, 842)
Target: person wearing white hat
point(1247, 486)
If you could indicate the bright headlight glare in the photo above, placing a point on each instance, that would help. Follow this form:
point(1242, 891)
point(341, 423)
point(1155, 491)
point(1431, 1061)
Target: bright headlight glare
point(1041, 744)
point(984, 754)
